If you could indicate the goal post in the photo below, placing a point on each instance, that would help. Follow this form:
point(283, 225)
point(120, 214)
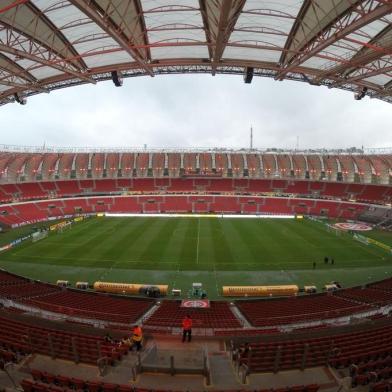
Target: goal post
point(39, 235)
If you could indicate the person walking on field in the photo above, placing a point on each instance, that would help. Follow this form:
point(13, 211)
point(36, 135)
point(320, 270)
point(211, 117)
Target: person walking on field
point(187, 328)
point(137, 337)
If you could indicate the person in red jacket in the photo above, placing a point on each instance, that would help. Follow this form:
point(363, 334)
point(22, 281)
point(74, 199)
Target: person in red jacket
point(187, 328)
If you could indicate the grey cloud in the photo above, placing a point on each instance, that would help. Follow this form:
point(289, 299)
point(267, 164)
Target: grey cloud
point(198, 111)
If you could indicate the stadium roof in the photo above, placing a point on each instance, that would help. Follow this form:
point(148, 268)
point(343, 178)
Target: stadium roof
point(51, 44)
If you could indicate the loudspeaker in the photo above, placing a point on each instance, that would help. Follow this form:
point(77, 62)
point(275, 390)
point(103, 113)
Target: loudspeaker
point(248, 75)
point(19, 99)
point(117, 79)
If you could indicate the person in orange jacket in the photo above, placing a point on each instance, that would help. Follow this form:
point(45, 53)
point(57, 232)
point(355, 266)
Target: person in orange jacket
point(187, 328)
point(137, 337)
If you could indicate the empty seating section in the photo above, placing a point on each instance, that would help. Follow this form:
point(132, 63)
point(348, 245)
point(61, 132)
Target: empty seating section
point(373, 193)
point(86, 185)
point(32, 190)
point(7, 279)
point(298, 309)
point(170, 314)
point(383, 285)
point(71, 302)
point(334, 190)
point(104, 186)
point(225, 204)
point(367, 295)
point(125, 204)
point(30, 212)
point(22, 292)
point(19, 288)
point(298, 187)
point(26, 337)
point(93, 306)
point(339, 349)
point(371, 371)
point(177, 204)
point(47, 382)
point(68, 188)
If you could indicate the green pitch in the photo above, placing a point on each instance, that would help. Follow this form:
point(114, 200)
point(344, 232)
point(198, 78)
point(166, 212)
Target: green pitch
point(213, 251)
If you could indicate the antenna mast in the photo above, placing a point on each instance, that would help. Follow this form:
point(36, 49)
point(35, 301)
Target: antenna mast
point(251, 137)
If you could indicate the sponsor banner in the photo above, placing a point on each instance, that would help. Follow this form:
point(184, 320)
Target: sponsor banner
point(78, 218)
point(58, 225)
point(195, 303)
point(352, 226)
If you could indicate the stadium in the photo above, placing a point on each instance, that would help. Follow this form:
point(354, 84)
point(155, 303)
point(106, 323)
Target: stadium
point(281, 257)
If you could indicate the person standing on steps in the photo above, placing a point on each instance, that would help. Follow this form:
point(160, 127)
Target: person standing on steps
point(187, 328)
point(137, 337)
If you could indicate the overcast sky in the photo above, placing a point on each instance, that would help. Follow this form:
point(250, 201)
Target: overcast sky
point(198, 111)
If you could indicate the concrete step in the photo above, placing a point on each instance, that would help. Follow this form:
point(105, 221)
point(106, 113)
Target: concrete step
point(222, 371)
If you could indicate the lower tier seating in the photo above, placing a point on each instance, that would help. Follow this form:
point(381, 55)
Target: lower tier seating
point(93, 306)
point(71, 302)
point(298, 309)
point(24, 337)
point(339, 349)
point(46, 382)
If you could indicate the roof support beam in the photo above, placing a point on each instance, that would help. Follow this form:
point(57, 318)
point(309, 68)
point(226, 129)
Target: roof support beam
point(363, 76)
point(40, 30)
point(24, 87)
point(13, 5)
point(376, 48)
point(365, 15)
point(89, 8)
point(52, 64)
point(294, 29)
point(15, 69)
point(143, 27)
point(220, 26)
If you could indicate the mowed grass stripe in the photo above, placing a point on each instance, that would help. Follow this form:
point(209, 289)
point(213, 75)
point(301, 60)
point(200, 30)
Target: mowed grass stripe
point(224, 244)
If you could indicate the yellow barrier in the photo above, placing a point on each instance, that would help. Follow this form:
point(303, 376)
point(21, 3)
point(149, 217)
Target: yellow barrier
point(259, 291)
point(131, 288)
point(380, 244)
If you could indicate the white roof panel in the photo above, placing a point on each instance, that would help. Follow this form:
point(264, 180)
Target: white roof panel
point(107, 59)
point(195, 51)
point(44, 72)
point(179, 35)
point(232, 52)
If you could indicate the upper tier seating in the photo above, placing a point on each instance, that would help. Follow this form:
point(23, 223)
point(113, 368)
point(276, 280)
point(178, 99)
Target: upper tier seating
point(170, 314)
